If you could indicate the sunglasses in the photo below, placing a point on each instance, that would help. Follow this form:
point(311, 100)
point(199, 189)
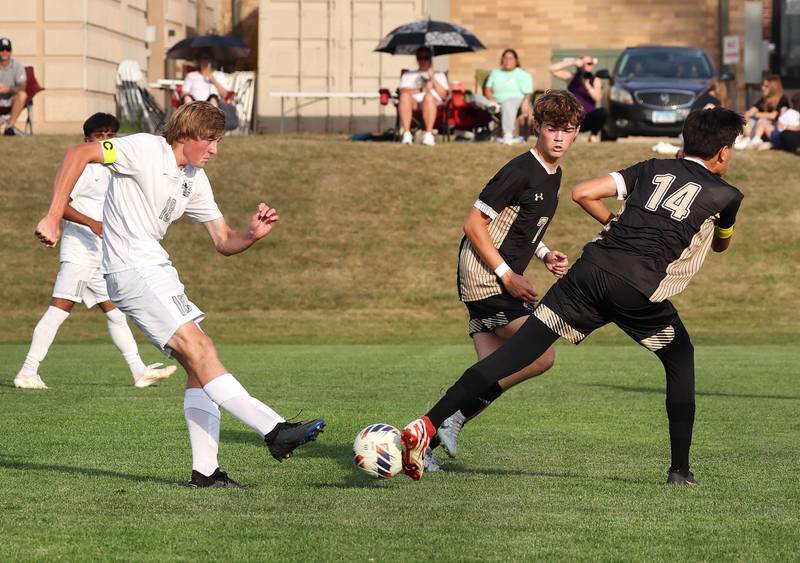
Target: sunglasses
point(5, 49)
point(424, 58)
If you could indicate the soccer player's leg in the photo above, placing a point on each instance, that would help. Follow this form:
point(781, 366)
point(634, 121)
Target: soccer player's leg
point(657, 327)
point(122, 337)
point(489, 329)
point(69, 288)
point(154, 298)
point(564, 312)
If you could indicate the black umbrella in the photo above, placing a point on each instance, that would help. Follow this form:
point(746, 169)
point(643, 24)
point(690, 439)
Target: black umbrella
point(224, 48)
point(443, 39)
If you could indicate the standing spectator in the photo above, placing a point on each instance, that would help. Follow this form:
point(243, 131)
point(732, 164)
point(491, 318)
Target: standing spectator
point(766, 110)
point(12, 86)
point(511, 88)
point(424, 88)
point(205, 84)
point(587, 88)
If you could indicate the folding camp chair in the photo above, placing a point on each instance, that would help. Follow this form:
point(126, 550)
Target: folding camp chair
point(442, 123)
point(32, 87)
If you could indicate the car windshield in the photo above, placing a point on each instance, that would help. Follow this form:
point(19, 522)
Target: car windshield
point(664, 64)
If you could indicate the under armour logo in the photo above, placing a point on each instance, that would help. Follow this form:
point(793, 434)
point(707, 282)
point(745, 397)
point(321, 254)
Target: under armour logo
point(538, 197)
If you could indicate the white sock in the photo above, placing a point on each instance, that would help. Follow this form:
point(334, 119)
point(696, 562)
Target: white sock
point(202, 418)
point(123, 339)
point(228, 393)
point(43, 336)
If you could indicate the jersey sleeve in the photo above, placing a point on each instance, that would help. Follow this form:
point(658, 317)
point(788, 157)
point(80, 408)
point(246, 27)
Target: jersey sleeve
point(723, 228)
point(627, 179)
point(85, 177)
point(128, 155)
point(501, 191)
point(201, 206)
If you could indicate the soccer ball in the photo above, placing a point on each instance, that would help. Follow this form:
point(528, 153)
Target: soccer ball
point(377, 451)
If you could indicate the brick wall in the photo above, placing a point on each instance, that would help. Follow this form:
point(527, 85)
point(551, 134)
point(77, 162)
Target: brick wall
point(535, 29)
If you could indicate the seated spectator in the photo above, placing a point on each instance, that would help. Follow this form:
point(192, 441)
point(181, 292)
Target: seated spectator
point(587, 88)
point(510, 88)
point(423, 88)
point(715, 96)
point(205, 84)
point(766, 110)
point(12, 86)
point(788, 121)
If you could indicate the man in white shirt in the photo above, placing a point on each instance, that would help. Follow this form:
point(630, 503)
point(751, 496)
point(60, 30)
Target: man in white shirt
point(423, 88)
point(156, 180)
point(79, 278)
point(205, 84)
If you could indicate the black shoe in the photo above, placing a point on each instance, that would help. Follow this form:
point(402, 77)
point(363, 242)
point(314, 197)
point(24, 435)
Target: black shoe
point(681, 477)
point(286, 436)
point(9, 132)
point(218, 479)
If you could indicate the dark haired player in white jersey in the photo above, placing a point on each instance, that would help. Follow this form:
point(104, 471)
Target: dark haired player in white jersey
point(674, 211)
point(503, 231)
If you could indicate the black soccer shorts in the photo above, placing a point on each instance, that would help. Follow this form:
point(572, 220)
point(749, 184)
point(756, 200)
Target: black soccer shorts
point(588, 297)
point(493, 312)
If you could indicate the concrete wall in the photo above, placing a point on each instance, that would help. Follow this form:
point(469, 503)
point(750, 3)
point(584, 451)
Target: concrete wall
point(76, 45)
point(326, 46)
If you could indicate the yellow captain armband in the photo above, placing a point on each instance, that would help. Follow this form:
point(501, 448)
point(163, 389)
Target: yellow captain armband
point(719, 232)
point(109, 152)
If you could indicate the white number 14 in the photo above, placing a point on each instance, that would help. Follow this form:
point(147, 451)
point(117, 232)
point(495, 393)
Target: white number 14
point(679, 202)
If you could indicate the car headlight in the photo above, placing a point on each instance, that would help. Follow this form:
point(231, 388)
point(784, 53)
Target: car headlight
point(620, 95)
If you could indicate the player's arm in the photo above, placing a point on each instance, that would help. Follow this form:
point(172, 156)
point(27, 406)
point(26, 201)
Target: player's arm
point(76, 159)
point(228, 242)
point(591, 193)
point(476, 227)
point(75, 216)
point(723, 228)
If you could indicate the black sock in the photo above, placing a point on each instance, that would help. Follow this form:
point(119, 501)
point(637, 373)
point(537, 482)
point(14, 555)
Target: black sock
point(531, 341)
point(681, 421)
point(486, 399)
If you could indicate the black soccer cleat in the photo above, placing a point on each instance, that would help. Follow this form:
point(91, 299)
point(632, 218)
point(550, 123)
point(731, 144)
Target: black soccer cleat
point(217, 480)
point(681, 477)
point(286, 436)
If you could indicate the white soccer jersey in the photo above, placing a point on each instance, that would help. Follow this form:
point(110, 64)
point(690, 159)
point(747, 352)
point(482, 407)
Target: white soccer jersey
point(79, 245)
point(149, 191)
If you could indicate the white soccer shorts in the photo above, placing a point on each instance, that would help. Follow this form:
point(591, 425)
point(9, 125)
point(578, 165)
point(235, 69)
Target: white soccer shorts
point(80, 283)
point(154, 298)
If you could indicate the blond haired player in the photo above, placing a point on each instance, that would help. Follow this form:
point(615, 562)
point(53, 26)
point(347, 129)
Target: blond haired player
point(79, 278)
point(156, 181)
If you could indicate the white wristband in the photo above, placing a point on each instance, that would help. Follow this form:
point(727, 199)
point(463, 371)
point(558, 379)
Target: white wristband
point(541, 251)
point(501, 270)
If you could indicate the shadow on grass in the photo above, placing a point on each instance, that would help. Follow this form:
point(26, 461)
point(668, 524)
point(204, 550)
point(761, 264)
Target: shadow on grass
point(11, 463)
point(660, 390)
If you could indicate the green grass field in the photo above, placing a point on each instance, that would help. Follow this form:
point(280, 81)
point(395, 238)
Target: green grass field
point(569, 467)
point(348, 311)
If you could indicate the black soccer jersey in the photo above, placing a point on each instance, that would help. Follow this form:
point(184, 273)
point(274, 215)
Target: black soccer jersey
point(521, 200)
point(662, 235)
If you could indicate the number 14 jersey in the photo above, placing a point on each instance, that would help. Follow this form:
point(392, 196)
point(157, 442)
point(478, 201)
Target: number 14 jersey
point(663, 232)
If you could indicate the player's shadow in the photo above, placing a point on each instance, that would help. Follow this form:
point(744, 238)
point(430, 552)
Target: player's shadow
point(500, 472)
point(340, 453)
point(11, 463)
point(660, 391)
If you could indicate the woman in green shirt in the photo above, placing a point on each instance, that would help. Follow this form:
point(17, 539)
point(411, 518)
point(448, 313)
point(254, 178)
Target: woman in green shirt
point(510, 88)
